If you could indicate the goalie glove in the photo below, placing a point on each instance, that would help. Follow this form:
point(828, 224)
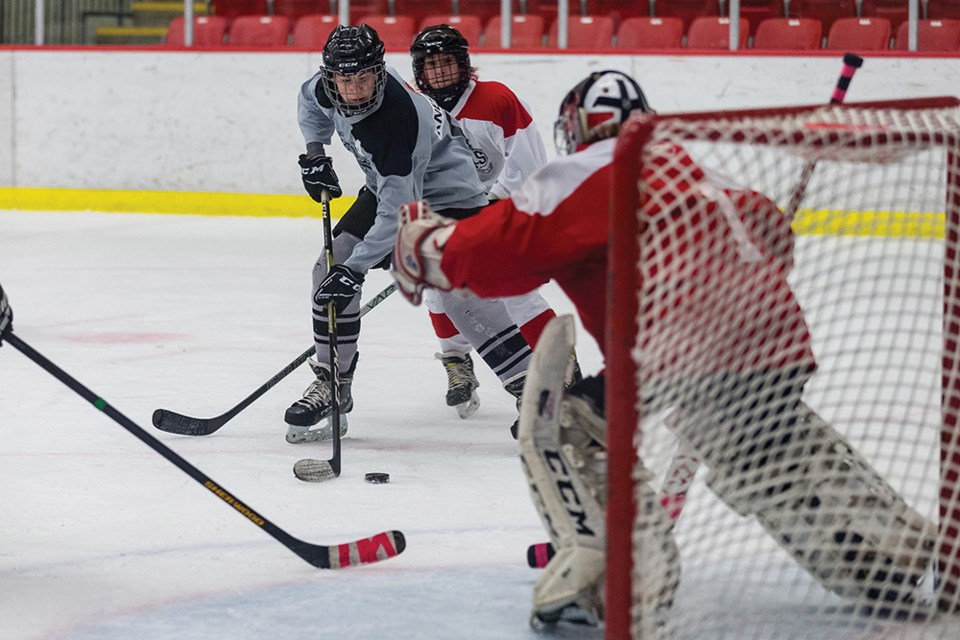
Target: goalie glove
point(419, 249)
point(6, 315)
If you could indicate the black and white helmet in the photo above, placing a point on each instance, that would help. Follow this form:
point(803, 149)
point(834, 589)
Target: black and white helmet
point(595, 109)
point(440, 39)
point(351, 51)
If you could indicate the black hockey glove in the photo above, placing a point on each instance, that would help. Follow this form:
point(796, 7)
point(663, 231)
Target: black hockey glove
point(340, 286)
point(6, 315)
point(318, 174)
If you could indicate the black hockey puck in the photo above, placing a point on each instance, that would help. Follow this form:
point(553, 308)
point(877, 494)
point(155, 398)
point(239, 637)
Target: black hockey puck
point(377, 478)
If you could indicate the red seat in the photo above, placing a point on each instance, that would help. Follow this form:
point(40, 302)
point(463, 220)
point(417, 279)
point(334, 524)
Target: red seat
point(859, 34)
point(896, 11)
point(208, 31)
point(943, 9)
point(932, 35)
point(469, 26)
point(259, 31)
point(526, 32)
point(650, 33)
point(397, 32)
point(420, 9)
point(826, 11)
point(797, 34)
point(486, 10)
point(584, 32)
point(714, 33)
point(686, 10)
point(311, 32)
point(619, 10)
point(234, 8)
point(756, 11)
point(294, 9)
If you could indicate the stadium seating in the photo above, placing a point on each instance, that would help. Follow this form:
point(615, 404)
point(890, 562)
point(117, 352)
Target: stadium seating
point(686, 10)
point(859, 34)
point(259, 31)
point(756, 11)
point(943, 9)
point(896, 11)
point(526, 32)
point(932, 35)
point(619, 10)
point(397, 32)
point(208, 31)
point(294, 9)
point(469, 26)
point(420, 9)
point(486, 10)
point(826, 11)
point(650, 33)
point(797, 34)
point(232, 8)
point(711, 32)
point(311, 32)
point(584, 32)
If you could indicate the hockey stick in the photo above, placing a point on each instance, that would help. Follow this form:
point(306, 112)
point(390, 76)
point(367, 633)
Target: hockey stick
point(364, 551)
point(321, 470)
point(851, 62)
point(685, 463)
point(173, 422)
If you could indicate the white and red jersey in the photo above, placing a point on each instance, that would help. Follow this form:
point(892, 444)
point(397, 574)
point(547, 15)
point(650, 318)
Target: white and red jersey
point(500, 130)
point(704, 251)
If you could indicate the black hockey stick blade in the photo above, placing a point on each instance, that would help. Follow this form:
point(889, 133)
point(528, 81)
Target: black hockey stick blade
point(173, 422)
point(363, 551)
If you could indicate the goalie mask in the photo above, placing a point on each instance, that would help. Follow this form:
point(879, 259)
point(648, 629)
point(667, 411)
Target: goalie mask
point(353, 72)
point(595, 109)
point(441, 64)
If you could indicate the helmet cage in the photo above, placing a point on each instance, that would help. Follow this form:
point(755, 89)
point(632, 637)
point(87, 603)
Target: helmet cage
point(437, 40)
point(350, 51)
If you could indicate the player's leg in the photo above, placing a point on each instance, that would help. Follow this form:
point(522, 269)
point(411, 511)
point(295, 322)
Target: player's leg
point(455, 357)
point(771, 456)
point(531, 312)
point(496, 339)
point(315, 404)
point(562, 440)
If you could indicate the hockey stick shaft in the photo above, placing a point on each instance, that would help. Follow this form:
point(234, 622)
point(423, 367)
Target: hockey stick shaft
point(173, 422)
point(851, 62)
point(367, 550)
point(332, 339)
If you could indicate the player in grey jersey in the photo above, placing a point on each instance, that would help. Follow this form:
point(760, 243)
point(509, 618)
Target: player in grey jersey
point(408, 148)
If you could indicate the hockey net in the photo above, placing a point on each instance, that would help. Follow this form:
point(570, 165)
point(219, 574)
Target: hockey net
point(872, 194)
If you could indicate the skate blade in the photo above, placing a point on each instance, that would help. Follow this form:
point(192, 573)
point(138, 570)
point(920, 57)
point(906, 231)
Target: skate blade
point(300, 435)
point(468, 408)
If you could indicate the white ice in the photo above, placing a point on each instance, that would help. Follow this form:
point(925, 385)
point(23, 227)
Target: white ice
point(102, 538)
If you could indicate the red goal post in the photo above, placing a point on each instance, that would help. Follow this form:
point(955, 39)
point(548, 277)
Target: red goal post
point(869, 151)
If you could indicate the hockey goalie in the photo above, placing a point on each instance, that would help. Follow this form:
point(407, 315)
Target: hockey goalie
point(723, 345)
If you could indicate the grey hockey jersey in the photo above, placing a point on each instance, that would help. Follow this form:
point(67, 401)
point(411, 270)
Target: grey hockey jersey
point(408, 148)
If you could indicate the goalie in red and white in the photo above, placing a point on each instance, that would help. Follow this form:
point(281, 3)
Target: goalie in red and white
point(723, 344)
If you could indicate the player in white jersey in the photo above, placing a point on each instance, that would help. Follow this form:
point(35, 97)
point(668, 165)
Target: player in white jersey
point(507, 148)
point(407, 148)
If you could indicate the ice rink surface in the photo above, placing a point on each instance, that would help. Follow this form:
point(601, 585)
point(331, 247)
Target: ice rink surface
point(102, 538)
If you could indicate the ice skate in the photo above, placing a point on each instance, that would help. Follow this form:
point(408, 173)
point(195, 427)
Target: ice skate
point(462, 382)
point(315, 406)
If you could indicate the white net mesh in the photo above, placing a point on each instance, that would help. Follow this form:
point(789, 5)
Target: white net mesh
point(817, 510)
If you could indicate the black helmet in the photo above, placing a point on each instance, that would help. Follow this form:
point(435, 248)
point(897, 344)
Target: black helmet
point(438, 39)
point(595, 108)
point(350, 50)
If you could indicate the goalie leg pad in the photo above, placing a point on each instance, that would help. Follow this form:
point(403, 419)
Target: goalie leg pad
point(825, 504)
point(565, 500)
